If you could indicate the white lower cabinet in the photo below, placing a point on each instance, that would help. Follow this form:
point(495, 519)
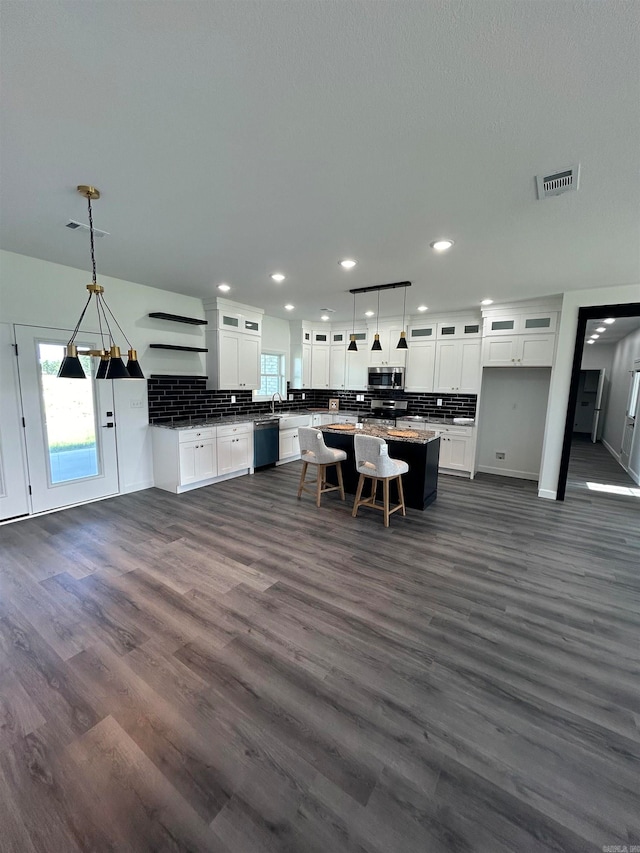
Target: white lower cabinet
point(235, 448)
point(319, 419)
point(457, 445)
point(344, 419)
point(198, 461)
point(289, 444)
point(185, 459)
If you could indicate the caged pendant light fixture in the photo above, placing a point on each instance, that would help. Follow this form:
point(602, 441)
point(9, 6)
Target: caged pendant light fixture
point(111, 365)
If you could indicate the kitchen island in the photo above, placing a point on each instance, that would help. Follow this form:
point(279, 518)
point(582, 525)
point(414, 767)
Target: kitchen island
point(421, 453)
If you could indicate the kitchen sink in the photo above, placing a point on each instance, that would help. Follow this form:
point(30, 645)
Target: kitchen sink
point(291, 420)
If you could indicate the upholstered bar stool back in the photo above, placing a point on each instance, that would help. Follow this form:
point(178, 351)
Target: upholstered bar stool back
point(373, 461)
point(315, 452)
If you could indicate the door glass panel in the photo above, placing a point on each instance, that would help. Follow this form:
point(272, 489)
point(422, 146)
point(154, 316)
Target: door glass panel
point(498, 325)
point(69, 417)
point(421, 333)
point(448, 330)
point(472, 330)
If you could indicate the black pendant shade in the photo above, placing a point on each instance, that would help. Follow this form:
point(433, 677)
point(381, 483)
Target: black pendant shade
point(353, 346)
point(116, 369)
point(402, 343)
point(133, 367)
point(101, 372)
point(71, 367)
point(377, 346)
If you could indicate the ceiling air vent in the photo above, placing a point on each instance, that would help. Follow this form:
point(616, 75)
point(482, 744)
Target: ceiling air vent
point(558, 182)
point(80, 226)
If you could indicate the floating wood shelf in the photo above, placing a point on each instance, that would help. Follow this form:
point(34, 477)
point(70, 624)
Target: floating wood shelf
point(177, 318)
point(182, 349)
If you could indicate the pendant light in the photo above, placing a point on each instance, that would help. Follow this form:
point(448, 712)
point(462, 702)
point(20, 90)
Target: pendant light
point(402, 343)
point(377, 346)
point(353, 346)
point(111, 365)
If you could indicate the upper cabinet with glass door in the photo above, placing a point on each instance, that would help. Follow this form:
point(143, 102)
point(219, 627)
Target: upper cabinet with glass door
point(532, 322)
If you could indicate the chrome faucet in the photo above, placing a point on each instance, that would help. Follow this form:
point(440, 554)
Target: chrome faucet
point(273, 401)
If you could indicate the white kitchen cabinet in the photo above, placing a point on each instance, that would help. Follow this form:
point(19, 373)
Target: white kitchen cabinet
point(319, 419)
point(344, 419)
point(457, 366)
point(239, 361)
point(320, 366)
point(357, 364)
point(235, 448)
point(525, 323)
point(337, 365)
point(533, 350)
point(234, 340)
point(289, 444)
point(184, 459)
point(197, 461)
point(389, 355)
point(468, 327)
point(457, 445)
point(306, 366)
point(421, 359)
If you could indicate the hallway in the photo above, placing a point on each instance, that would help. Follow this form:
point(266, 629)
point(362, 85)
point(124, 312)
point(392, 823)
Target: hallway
point(592, 468)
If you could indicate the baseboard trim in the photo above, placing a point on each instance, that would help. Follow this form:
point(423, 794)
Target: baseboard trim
point(615, 455)
point(137, 487)
point(508, 472)
point(547, 494)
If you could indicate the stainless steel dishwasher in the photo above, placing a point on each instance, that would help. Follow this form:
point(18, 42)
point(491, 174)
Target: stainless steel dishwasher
point(265, 442)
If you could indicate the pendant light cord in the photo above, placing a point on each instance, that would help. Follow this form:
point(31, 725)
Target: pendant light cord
point(378, 316)
point(404, 307)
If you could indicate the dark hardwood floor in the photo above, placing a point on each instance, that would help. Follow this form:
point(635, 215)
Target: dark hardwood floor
point(235, 670)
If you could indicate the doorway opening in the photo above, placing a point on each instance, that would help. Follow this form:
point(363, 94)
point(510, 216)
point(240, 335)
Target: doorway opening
point(599, 448)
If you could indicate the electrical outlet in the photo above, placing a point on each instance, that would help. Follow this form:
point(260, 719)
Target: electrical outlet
point(290, 397)
point(439, 401)
point(500, 455)
point(136, 404)
point(304, 396)
point(359, 398)
point(233, 398)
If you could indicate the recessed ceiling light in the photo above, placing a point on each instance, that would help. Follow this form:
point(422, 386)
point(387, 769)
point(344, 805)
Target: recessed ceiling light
point(609, 320)
point(277, 276)
point(369, 313)
point(324, 317)
point(595, 336)
point(422, 308)
point(348, 263)
point(601, 329)
point(224, 288)
point(591, 342)
point(441, 245)
point(289, 307)
point(486, 302)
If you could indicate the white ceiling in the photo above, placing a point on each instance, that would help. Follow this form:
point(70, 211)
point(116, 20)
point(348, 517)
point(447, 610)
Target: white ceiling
point(234, 139)
point(614, 332)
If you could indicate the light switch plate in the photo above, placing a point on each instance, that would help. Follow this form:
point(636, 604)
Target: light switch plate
point(136, 404)
point(233, 398)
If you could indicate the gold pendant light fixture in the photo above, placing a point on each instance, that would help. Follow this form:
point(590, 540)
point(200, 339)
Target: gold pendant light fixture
point(353, 346)
point(111, 365)
point(377, 346)
point(402, 343)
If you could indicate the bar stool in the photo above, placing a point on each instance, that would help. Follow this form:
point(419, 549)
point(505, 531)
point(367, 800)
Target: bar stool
point(315, 452)
point(373, 461)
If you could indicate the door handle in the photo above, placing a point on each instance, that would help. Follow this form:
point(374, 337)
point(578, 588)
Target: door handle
point(107, 426)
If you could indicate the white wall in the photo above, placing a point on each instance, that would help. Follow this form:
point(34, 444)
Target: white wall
point(39, 293)
point(626, 351)
point(598, 357)
point(561, 374)
point(276, 337)
point(513, 404)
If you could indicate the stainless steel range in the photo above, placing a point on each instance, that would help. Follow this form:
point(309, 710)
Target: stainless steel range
point(384, 412)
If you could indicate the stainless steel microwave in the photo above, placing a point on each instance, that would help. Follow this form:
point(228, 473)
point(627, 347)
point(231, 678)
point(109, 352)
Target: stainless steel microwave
point(386, 379)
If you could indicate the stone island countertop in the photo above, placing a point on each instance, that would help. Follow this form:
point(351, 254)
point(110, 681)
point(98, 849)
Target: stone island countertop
point(424, 436)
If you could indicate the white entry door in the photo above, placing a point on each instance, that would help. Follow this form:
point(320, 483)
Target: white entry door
point(69, 423)
point(14, 499)
point(631, 419)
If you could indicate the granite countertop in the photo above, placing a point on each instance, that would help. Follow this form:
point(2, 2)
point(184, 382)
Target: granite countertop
point(424, 435)
point(445, 420)
point(249, 418)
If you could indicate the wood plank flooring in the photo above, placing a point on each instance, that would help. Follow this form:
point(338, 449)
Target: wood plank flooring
point(235, 670)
